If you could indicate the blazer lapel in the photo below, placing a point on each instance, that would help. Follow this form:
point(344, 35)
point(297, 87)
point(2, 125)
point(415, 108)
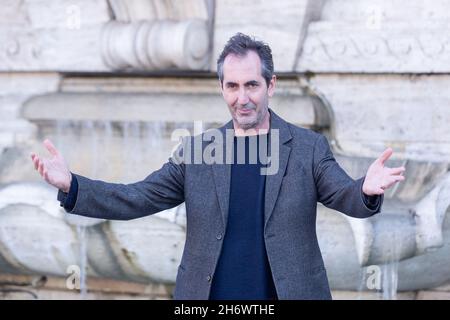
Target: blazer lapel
point(273, 182)
point(222, 176)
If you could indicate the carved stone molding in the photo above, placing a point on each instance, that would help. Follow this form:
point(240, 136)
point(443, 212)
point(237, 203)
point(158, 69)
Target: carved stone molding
point(162, 101)
point(340, 47)
point(90, 36)
point(157, 34)
point(158, 44)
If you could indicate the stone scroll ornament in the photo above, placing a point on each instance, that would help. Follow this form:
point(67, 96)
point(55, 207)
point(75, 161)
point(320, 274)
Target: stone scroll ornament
point(156, 45)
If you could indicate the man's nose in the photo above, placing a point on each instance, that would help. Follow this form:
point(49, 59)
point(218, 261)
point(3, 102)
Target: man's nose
point(243, 97)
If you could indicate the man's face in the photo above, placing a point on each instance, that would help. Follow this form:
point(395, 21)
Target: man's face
point(245, 90)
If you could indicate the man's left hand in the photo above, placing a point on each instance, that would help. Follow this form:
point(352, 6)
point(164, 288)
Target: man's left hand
point(379, 177)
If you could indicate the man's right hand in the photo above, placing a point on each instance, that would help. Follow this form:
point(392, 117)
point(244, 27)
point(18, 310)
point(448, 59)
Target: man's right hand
point(54, 170)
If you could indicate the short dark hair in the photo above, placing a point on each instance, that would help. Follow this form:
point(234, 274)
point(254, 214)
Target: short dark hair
point(240, 44)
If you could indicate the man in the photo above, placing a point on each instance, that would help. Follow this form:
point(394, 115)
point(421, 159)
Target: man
point(249, 235)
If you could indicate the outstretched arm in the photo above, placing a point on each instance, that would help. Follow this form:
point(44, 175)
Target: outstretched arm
point(339, 191)
point(161, 190)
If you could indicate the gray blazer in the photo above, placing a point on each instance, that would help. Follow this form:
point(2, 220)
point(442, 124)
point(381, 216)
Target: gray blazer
point(308, 173)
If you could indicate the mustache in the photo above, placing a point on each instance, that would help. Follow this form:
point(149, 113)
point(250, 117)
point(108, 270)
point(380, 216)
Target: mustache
point(248, 106)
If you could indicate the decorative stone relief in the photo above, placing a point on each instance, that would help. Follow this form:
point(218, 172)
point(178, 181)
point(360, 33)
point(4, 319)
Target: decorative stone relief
point(340, 47)
point(379, 36)
point(159, 44)
point(87, 36)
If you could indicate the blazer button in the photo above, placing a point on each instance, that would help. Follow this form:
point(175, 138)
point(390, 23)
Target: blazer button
point(219, 236)
point(208, 278)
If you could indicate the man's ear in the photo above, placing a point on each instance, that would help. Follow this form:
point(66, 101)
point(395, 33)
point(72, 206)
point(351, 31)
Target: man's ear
point(272, 84)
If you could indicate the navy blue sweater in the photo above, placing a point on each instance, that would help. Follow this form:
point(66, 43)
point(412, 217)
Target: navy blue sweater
point(243, 270)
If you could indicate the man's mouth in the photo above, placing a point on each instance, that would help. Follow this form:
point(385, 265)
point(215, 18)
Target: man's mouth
point(245, 111)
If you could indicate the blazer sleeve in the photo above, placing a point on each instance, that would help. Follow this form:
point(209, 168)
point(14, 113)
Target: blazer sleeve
point(336, 189)
point(163, 189)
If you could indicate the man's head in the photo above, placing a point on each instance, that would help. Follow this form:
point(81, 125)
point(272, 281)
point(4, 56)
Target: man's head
point(245, 69)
